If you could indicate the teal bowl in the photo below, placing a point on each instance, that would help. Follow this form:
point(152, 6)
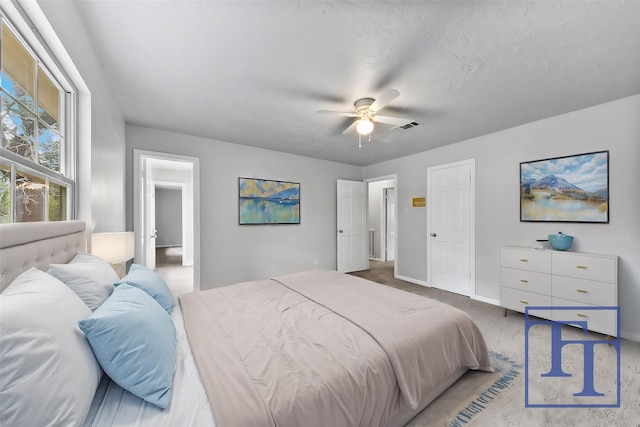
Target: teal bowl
point(560, 241)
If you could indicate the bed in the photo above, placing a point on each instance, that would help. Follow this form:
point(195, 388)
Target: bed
point(308, 348)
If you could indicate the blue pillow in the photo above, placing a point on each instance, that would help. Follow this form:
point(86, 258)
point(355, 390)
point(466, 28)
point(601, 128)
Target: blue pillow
point(134, 340)
point(150, 282)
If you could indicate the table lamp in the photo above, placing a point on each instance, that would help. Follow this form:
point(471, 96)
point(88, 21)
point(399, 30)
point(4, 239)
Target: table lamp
point(116, 248)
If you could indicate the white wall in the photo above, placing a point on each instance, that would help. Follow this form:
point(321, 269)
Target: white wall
point(169, 217)
point(232, 253)
point(613, 126)
point(102, 136)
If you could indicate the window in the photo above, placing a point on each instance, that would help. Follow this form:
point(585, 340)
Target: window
point(36, 174)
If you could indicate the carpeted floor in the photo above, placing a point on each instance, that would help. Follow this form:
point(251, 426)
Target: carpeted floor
point(169, 266)
point(505, 337)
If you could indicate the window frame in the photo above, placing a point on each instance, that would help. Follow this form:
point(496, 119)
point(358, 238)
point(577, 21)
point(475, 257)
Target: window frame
point(68, 122)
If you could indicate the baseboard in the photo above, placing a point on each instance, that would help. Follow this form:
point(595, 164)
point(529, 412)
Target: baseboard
point(630, 336)
point(410, 280)
point(491, 301)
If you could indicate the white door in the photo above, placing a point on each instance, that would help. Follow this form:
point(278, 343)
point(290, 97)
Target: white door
point(450, 227)
point(352, 226)
point(149, 208)
point(390, 216)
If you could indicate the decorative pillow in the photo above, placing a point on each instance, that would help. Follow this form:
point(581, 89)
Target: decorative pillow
point(90, 277)
point(134, 340)
point(150, 282)
point(48, 373)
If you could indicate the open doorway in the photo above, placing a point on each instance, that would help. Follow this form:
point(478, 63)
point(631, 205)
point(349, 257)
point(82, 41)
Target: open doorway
point(169, 226)
point(171, 253)
point(167, 217)
point(382, 215)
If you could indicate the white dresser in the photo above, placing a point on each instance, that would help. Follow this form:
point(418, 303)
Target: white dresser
point(534, 277)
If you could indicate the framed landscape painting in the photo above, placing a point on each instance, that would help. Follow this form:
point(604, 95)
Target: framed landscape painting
point(263, 201)
point(566, 189)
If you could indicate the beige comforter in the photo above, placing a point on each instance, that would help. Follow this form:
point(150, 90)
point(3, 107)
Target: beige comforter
point(322, 348)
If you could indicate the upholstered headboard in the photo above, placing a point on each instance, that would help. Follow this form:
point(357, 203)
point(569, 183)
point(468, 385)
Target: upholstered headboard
point(38, 244)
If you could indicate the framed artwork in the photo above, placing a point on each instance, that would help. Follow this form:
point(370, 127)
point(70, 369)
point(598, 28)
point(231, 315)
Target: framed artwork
point(566, 189)
point(264, 201)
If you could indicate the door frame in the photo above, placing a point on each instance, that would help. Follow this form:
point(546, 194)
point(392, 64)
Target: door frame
point(393, 177)
point(139, 197)
point(384, 227)
point(472, 221)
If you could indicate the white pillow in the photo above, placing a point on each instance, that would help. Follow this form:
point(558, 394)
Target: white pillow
point(48, 374)
point(90, 277)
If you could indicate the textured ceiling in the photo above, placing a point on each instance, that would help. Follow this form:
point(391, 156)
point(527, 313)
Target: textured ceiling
point(256, 72)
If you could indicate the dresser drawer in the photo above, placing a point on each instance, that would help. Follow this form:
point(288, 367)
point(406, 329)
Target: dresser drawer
point(603, 321)
point(517, 300)
point(531, 281)
point(526, 259)
point(590, 267)
point(585, 291)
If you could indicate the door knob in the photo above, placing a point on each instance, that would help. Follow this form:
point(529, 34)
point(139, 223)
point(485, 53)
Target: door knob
point(433, 234)
point(339, 231)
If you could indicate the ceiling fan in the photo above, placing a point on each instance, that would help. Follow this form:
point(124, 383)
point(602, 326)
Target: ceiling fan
point(366, 113)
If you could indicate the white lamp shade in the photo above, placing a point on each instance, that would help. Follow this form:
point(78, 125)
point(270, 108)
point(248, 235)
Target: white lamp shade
point(113, 247)
point(364, 127)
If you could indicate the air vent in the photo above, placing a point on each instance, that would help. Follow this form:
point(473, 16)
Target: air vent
point(409, 125)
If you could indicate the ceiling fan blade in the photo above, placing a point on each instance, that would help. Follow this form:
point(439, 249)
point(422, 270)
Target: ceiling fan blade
point(351, 128)
point(385, 98)
point(396, 121)
point(340, 126)
point(416, 112)
point(337, 113)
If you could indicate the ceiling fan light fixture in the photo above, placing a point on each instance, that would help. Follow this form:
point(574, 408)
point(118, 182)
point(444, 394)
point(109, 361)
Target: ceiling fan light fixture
point(364, 126)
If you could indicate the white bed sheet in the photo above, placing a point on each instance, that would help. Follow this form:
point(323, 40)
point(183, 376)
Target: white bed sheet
point(113, 406)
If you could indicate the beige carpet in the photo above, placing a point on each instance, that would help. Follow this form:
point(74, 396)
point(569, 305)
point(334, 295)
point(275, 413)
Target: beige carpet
point(169, 266)
point(505, 336)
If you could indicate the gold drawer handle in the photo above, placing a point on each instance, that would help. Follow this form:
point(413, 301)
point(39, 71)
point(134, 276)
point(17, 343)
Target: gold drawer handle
point(584, 267)
point(524, 260)
point(581, 315)
point(582, 291)
point(524, 281)
point(524, 302)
